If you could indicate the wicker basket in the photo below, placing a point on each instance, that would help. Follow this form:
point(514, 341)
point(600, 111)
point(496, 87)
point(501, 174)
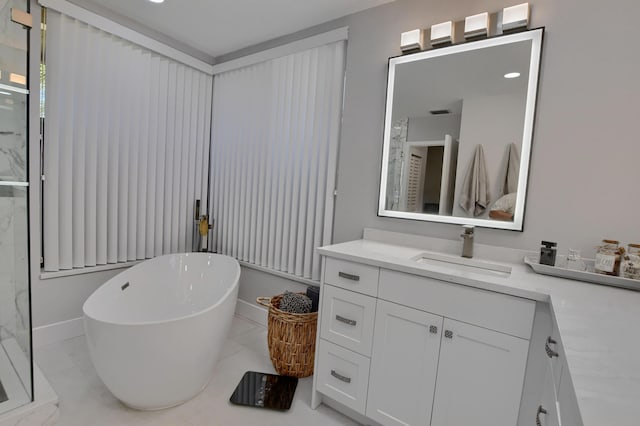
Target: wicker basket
point(291, 339)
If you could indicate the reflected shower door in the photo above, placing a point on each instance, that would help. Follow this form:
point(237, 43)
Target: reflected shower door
point(16, 385)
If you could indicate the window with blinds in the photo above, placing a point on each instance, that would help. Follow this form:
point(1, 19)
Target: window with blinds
point(274, 148)
point(126, 147)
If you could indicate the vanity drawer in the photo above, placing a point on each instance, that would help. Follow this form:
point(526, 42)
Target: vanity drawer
point(347, 319)
point(343, 375)
point(352, 276)
point(495, 311)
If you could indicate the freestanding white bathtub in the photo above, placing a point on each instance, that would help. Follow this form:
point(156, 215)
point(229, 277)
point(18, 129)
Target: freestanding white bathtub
point(155, 330)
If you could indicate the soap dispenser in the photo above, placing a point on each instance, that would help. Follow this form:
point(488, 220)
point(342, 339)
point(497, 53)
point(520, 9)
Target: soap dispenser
point(548, 253)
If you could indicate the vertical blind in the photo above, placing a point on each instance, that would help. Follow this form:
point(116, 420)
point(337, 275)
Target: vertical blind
point(274, 145)
point(126, 147)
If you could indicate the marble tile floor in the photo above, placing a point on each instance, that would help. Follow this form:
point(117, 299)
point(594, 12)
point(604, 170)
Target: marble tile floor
point(84, 400)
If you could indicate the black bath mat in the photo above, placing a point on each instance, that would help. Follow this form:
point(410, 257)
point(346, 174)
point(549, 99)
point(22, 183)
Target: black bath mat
point(264, 390)
point(3, 394)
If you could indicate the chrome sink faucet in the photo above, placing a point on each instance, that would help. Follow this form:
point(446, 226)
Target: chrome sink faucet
point(467, 241)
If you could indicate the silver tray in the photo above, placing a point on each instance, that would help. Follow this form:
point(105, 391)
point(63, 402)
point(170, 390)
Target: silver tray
point(586, 276)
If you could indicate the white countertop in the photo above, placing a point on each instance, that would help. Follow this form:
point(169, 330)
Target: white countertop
point(599, 326)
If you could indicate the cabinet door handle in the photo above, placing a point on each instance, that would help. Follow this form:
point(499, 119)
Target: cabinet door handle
point(433, 329)
point(448, 334)
point(349, 276)
point(550, 352)
point(540, 411)
point(345, 320)
point(340, 377)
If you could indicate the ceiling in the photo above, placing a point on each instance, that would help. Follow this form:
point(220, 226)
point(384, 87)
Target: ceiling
point(217, 27)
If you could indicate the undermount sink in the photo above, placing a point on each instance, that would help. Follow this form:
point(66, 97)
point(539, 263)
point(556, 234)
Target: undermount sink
point(463, 264)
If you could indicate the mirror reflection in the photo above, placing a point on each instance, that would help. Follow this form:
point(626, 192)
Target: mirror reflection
point(458, 122)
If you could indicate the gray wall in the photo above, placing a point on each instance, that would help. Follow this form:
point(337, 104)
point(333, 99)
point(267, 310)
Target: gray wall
point(584, 172)
point(584, 167)
point(584, 157)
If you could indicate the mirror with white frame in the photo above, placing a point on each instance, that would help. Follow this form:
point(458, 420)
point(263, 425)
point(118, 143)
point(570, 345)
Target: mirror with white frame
point(458, 131)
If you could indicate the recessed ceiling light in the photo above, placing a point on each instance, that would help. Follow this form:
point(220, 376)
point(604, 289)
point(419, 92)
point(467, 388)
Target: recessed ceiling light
point(156, 1)
point(512, 75)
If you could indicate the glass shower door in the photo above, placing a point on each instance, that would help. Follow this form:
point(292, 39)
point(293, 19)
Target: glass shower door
point(16, 368)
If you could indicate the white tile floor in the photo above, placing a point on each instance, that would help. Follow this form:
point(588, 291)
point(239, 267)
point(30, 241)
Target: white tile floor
point(84, 401)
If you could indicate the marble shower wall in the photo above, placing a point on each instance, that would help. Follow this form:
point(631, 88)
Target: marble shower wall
point(13, 105)
point(14, 281)
point(13, 137)
point(14, 274)
point(21, 274)
point(8, 310)
point(399, 130)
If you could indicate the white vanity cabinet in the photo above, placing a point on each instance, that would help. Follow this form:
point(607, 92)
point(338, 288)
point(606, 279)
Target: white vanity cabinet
point(557, 403)
point(480, 376)
point(568, 402)
point(404, 365)
point(547, 412)
point(441, 354)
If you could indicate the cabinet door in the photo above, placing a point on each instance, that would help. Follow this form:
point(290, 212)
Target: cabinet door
point(547, 412)
point(406, 344)
point(569, 410)
point(480, 377)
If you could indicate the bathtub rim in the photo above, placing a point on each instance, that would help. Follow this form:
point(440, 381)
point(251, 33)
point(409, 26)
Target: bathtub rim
point(224, 297)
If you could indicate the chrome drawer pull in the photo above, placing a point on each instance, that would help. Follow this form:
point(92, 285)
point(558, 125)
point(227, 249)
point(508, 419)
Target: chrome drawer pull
point(348, 276)
point(540, 411)
point(550, 352)
point(448, 334)
point(340, 377)
point(345, 320)
point(433, 329)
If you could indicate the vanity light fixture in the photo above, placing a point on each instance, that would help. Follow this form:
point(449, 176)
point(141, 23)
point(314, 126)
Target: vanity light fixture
point(476, 26)
point(411, 40)
point(512, 75)
point(509, 20)
point(443, 33)
point(515, 18)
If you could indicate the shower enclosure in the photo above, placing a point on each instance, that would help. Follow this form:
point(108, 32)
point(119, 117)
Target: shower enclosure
point(16, 365)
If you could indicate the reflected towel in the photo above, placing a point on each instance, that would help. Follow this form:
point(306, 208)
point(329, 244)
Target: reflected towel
point(511, 171)
point(474, 197)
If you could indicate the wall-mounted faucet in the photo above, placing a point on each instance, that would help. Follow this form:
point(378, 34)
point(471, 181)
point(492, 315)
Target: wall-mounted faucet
point(202, 227)
point(467, 241)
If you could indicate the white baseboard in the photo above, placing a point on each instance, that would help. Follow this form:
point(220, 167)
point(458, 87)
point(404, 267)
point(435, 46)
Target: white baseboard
point(252, 312)
point(57, 332)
